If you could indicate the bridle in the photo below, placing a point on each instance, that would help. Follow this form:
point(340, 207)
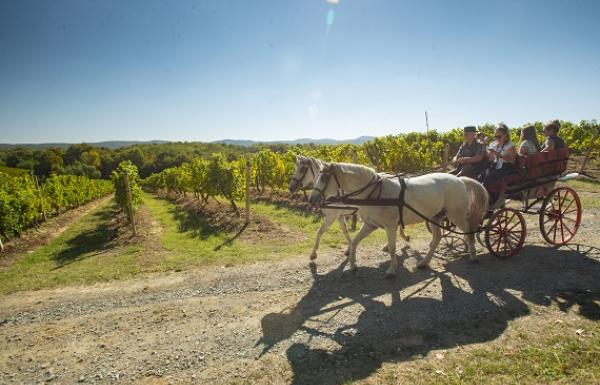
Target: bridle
point(304, 169)
point(326, 175)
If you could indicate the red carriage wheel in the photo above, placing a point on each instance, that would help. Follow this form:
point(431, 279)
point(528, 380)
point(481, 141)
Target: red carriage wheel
point(560, 216)
point(505, 233)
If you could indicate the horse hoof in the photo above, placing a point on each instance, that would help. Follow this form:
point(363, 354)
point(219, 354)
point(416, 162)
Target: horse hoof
point(347, 253)
point(423, 266)
point(313, 256)
point(385, 249)
point(390, 274)
point(408, 238)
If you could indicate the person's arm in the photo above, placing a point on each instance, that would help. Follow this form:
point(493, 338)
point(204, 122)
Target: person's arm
point(510, 156)
point(548, 145)
point(458, 155)
point(523, 149)
point(474, 159)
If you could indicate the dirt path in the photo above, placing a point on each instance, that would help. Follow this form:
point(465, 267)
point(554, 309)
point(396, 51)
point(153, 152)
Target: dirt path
point(42, 235)
point(287, 322)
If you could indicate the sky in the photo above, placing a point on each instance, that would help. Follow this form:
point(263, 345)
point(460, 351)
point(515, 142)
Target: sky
point(79, 70)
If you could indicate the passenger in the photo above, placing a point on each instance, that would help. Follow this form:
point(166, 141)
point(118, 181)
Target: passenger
point(470, 160)
point(502, 154)
point(529, 142)
point(482, 138)
point(553, 142)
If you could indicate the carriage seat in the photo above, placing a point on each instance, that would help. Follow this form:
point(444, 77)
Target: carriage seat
point(537, 169)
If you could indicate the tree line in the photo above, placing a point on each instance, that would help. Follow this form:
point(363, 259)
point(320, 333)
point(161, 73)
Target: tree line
point(402, 152)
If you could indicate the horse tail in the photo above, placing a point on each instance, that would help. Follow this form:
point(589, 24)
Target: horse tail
point(478, 202)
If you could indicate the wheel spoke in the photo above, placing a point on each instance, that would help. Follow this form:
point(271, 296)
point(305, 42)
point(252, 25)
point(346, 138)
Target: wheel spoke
point(515, 225)
point(510, 220)
point(511, 245)
point(553, 226)
point(559, 201)
point(553, 206)
point(562, 231)
point(569, 205)
point(571, 219)
point(515, 237)
point(569, 230)
point(506, 248)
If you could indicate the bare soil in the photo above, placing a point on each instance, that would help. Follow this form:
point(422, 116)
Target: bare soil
point(291, 321)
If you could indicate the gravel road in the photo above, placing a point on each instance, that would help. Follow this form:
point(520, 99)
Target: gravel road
point(288, 321)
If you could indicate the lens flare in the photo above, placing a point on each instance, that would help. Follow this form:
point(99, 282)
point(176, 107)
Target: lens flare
point(330, 17)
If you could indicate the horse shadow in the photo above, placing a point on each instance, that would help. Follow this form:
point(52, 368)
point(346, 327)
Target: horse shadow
point(397, 321)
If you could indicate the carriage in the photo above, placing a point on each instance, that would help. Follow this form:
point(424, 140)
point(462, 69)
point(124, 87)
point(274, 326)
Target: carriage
point(534, 185)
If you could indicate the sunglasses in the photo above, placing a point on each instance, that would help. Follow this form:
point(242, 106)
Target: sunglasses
point(499, 135)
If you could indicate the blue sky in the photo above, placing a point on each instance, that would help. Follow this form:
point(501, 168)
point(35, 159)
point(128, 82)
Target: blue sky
point(267, 70)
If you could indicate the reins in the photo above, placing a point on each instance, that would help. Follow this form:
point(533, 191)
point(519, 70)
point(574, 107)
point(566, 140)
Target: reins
point(400, 202)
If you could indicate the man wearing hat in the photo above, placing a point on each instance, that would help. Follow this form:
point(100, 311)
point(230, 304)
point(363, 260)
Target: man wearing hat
point(553, 141)
point(470, 159)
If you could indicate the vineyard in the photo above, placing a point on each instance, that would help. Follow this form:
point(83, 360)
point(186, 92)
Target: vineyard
point(25, 203)
point(200, 295)
point(272, 169)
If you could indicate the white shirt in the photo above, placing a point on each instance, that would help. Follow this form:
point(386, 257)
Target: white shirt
point(502, 149)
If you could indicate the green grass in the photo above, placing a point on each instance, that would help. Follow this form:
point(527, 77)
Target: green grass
point(77, 256)
point(588, 199)
point(190, 241)
point(557, 355)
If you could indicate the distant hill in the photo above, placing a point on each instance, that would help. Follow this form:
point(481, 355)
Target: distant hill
point(246, 143)
point(113, 144)
point(359, 140)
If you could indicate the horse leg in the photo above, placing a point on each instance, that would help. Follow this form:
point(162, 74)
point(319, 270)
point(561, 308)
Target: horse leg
point(342, 222)
point(330, 217)
point(391, 236)
point(365, 230)
point(470, 238)
point(403, 236)
point(436, 232)
point(466, 225)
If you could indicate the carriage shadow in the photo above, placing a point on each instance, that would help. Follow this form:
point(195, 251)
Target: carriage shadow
point(398, 321)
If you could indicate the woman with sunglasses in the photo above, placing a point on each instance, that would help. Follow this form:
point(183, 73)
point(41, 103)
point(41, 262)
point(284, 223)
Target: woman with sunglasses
point(503, 155)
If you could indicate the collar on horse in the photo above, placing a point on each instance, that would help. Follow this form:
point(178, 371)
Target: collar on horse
point(374, 197)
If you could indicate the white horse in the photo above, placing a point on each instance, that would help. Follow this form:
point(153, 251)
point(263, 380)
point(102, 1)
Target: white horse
point(463, 200)
point(305, 176)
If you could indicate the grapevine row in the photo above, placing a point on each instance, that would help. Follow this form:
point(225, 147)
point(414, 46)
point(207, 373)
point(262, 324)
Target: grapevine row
point(24, 204)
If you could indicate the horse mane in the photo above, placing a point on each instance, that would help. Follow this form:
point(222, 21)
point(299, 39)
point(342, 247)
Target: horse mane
point(357, 168)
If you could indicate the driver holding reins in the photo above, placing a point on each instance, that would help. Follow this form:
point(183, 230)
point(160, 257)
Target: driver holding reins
point(470, 160)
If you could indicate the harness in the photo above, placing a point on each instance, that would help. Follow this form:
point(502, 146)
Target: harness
point(377, 182)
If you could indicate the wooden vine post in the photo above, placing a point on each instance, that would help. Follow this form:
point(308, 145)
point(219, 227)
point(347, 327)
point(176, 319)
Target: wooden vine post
point(37, 185)
point(589, 150)
point(129, 202)
point(247, 190)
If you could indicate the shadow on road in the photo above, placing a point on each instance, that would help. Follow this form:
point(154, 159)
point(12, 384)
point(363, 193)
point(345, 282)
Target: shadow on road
point(476, 304)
